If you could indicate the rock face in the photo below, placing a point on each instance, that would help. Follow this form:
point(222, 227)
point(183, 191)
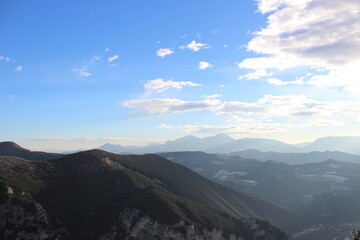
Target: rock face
point(97, 195)
point(131, 224)
point(25, 220)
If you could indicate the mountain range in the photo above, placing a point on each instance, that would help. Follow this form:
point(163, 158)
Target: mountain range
point(309, 195)
point(298, 158)
point(223, 143)
point(325, 193)
point(99, 195)
point(342, 144)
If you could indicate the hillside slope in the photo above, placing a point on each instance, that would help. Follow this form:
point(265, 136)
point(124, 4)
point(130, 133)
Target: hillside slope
point(99, 195)
point(325, 193)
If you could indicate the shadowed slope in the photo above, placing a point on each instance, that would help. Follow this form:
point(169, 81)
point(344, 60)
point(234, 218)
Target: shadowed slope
point(89, 194)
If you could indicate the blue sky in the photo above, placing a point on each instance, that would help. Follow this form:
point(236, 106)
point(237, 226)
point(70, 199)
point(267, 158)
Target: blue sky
point(77, 74)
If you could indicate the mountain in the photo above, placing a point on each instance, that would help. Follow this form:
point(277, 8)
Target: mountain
point(100, 195)
point(325, 193)
point(255, 143)
point(342, 144)
point(187, 143)
point(220, 143)
point(12, 149)
point(298, 158)
point(115, 148)
point(191, 143)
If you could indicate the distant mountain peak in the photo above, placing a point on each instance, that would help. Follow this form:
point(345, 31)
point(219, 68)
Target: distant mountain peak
point(350, 144)
point(108, 145)
point(188, 137)
point(223, 136)
point(10, 145)
point(13, 149)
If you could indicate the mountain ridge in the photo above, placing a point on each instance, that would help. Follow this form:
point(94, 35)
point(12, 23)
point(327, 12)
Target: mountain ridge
point(298, 158)
point(344, 144)
point(72, 196)
point(325, 193)
point(220, 143)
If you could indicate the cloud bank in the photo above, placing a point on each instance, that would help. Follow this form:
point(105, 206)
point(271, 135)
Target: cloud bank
point(312, 33)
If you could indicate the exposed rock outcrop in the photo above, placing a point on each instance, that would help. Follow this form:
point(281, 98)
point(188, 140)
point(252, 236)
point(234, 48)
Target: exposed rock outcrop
point(27, 220)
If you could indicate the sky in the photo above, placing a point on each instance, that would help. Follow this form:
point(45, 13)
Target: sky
point(78, 74)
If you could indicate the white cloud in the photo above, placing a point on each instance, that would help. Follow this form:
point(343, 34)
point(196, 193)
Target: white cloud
point(312, 33)
point(162, 52)
point(83, 70)
point(3, 58)
point(163, 105)
point(278, 106)
point(113, 58)
point(18, 68)
point(289, 100)
point(300, 110)
point(195, 46)
point(212, 96)
point(278, 62)
point(247, 128)
point(204, 65)
point(242, 108)
point(160, 85)
point(107, 49)
point(163, 125)
point(292, 107)
point(94, 59)
point(279, 82)
point(236, 119)
point(276, 81)
point(325, 123)
point(12, 98)
point(311, 30)
point(347, 77)
point(259, 73)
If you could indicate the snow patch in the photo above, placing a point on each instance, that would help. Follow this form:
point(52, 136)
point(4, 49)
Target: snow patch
point(334, 178)
point(224, 175)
